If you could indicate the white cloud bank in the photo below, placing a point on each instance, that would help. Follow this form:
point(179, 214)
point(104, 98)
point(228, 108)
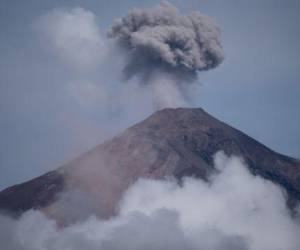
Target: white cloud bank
point(233, 211)
point(75, 35)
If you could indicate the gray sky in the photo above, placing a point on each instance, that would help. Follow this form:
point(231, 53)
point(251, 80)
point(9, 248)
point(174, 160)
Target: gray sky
point(55, 105)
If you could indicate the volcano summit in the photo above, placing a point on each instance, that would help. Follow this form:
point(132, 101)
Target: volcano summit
point(171, 143)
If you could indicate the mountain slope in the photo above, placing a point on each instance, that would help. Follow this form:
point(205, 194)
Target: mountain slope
point(171, 142)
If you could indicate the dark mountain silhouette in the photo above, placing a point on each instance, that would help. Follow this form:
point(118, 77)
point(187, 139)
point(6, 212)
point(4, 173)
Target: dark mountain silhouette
point(171, 142)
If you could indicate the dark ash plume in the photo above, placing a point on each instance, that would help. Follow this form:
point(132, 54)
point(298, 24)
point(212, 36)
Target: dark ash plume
point(164, 40)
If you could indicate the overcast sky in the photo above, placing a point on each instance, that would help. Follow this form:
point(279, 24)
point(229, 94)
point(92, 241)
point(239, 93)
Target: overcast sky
point(60, 92)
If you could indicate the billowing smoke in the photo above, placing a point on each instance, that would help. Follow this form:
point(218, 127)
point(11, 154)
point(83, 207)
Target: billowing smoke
point(234, 210)
point(162, 41)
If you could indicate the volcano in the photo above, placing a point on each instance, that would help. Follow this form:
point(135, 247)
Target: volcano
point(171, 143)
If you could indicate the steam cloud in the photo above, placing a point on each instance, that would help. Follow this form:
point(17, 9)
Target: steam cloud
point(74, 34)
point(234, 210)
point(162, 41)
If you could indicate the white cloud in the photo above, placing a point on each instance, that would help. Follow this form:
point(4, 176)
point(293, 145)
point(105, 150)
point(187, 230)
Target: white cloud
point(75, 36)
point(233, 211)
point(235, 203)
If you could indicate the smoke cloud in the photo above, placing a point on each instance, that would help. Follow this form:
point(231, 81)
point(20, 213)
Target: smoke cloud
point(75, 36)
point(234, 210)
point(161, 40)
